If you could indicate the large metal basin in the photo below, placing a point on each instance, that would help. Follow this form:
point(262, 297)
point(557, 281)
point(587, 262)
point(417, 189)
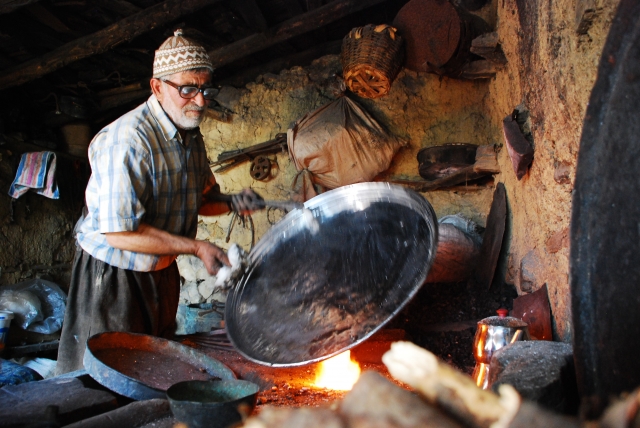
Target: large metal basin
point(143, 367)
point(317, 288)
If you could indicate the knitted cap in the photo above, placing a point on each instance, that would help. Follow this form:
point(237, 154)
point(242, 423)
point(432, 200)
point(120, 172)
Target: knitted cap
point(178, 54)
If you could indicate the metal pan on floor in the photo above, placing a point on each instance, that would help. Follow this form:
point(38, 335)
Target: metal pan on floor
point(143, 367)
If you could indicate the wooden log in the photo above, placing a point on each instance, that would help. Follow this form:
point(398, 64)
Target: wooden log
point(101, 41)
point(623, 413)
point(486, 160)
point(481, 69)
point(445, 387)
point(374, 399)
point(485, 43)
point(520, 150)
point(486, 46)
point(301, 24)
point(7, 6)
point(136, 414)
point(492, 240)
point(77, 399)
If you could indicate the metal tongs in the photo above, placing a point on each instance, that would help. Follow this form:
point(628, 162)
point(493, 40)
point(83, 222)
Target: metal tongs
point(286, 205)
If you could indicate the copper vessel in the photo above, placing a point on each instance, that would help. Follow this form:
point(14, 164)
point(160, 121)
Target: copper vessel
point(492, 334)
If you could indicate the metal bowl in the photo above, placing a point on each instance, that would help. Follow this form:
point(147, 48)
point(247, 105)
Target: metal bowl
point(212, 404)
point(325, 278)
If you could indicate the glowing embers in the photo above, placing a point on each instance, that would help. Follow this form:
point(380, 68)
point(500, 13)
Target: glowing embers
point(339, 372)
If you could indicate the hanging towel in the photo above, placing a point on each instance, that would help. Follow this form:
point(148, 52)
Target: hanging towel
point(36, 171)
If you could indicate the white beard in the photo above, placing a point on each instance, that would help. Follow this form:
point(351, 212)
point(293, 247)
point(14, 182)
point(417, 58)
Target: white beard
point(181, 120)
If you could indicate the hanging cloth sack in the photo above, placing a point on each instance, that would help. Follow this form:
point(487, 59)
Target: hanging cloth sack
point(340, 144)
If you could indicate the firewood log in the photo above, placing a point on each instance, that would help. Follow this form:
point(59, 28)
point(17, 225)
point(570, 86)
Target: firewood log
point(449, 389)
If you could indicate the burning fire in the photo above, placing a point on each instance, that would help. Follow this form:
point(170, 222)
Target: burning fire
point(338, 372)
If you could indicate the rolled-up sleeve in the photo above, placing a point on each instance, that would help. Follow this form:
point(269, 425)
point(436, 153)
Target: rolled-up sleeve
point(121, 173)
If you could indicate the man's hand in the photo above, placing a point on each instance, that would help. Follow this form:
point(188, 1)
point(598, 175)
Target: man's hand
point(246, 202)
point(212, 256)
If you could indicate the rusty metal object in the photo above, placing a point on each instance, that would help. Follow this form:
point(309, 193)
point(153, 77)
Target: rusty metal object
point(260, 168)
point(534, 309)
point(432, 30)
point(441, 161)
point(438, 36)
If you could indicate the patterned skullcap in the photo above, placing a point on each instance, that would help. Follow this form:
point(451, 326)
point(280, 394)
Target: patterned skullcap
point(178, 54)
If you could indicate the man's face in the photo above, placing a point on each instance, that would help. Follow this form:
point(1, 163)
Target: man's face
point(184, 113)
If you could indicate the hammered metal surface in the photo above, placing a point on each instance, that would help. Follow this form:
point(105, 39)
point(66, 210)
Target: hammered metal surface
point(317, 286)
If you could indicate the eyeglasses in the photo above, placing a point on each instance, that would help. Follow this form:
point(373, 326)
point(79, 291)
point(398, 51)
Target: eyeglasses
point(191, 91)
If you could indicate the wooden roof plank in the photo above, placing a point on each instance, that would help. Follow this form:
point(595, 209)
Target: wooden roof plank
point(300, 24)
point(103, 40)
point(44, 16)
point(7, 6)
point(251, 14)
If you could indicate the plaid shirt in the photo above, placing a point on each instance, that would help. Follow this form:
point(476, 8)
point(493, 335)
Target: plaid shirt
point(142, 172)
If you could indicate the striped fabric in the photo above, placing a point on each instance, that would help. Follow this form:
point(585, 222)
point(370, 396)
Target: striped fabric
point(36, 171)
point(142, 172)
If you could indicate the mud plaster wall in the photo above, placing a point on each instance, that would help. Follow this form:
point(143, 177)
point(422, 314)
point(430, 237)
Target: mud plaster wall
point(550, 72)
point(422, 109)
point(36, 235)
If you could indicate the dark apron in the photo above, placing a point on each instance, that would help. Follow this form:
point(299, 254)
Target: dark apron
point(106, 298)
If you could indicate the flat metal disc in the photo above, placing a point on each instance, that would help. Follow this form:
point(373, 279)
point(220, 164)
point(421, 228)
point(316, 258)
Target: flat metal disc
point(431, 30)
point(325, 278)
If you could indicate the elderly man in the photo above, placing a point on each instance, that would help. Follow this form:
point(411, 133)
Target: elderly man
point(150, 180)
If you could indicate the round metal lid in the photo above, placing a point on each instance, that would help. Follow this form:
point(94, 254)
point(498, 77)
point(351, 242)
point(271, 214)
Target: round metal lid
point(325, 278)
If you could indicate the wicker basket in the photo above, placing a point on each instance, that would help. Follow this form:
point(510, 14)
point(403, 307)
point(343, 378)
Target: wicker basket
point(371, 58)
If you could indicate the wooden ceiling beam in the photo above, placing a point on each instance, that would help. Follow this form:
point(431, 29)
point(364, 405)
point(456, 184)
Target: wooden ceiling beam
point(313, 4)
point(277, 65)
point(42, 15)
point(300, 24)
point(7, 6)
point(120, 7)
point(102, 41)
point(251, 14)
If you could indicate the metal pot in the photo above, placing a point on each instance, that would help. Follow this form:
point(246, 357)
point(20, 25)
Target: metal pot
point(492, 334)
point(212, 404)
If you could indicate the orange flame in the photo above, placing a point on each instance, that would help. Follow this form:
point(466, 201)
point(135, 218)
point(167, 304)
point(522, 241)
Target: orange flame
point(339, 372)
